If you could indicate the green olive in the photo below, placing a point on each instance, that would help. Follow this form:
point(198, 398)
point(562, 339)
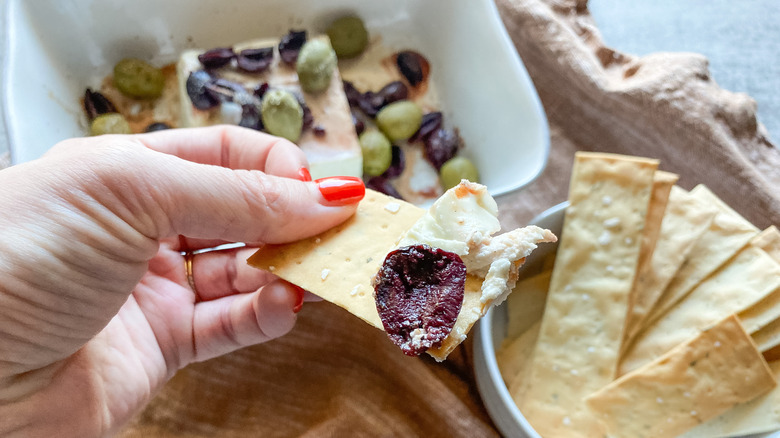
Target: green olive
point(136, 78)
point(282, 114)
point(456, 169)
point(315, 66)
point(377, 152)
point(348, 36)
point(111, 123)
point(399, 120)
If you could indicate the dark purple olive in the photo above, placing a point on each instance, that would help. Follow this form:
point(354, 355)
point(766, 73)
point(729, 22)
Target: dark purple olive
point(413, 66)
point(260, 90)
point(95, 104)
point(291, 44)
point(357, 121)
point(197, 89)
point(353, 95)
point(157, 126)
point(229, 91)
point(382, 185)
point(393, 92)
point(319, 131)
point(216, 58)
point(440, 146)
point(308, 117)
point(370, 103)
point(430, 123)
point(397, 164)
point(255, 60)
point(250, 116)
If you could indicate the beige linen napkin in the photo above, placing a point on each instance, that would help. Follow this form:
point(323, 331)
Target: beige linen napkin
point(336, 376)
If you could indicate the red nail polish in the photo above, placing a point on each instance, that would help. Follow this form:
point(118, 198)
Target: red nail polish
point(341, 190)
point(299, 302)
point(304, 175)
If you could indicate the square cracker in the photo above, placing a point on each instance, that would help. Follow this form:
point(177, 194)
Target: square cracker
point(686, 218)
point(743, 281)
point(339, 265)
point(757, 316)
point(692, 383)
point(582, 328)
point(728, 233)
point(759, 415)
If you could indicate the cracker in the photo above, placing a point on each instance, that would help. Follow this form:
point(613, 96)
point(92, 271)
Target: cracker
point(768, 338)
point(582, 328)
point(525, 305)
point(746, 279)
point(692, 383)
point(728, 233)
point(340, 264)
point(767, 310)
point(686, 218)
point(759, 415)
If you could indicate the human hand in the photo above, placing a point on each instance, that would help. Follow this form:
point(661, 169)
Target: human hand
point(96, 312)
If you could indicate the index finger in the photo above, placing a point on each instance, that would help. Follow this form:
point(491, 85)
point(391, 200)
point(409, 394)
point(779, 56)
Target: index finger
point(230, 146)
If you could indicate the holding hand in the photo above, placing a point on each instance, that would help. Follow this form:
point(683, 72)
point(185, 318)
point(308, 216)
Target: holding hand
point(97, 310)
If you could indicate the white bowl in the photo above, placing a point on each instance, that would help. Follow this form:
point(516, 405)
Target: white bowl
point(55, 49)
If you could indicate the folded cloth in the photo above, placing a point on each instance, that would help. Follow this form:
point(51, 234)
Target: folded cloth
point(336, 376)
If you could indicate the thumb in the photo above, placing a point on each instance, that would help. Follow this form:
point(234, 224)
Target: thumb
point(211, 202)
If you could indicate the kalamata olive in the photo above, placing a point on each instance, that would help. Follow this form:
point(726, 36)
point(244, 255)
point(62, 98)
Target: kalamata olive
point(399, 120)
point(393, 92)
point(291, 44)
point(348, 36)
point(456, 169)
point(377, 152)
point(353, 95)
point(255, 60)
point(197, 90)
point(216, 58)
point(282, 115)
point(157, 126)
point(430, 123)
point(370, 103)
point(319, 131)
point(111, 123)
point(250, 116)
point(227, 91)
point(137, 78)
point(441, 145)
point(261, 89)
point(382, 185)
point(95, 104)
point(397, 163)
point(419, 292)
point(357, 121)
point(413, 66)
point(308, 117)
point(315, 65)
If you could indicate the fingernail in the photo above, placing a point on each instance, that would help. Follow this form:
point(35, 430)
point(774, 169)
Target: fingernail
point(299, 302)
point(341, 190)
point(304, 175)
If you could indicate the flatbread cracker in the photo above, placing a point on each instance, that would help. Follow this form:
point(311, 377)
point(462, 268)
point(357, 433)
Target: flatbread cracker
point(686, 218)
point(340, 264)
point(579, 342)
point(746, 279)
point(694, 382)
point(728, 233)
point(757, 316)
point(760, 415)
point(768, 338)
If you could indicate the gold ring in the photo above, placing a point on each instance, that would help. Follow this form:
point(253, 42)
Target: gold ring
point(188, 258)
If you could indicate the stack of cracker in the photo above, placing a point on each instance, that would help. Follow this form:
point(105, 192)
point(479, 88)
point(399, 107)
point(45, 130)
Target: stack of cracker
point(657, 319)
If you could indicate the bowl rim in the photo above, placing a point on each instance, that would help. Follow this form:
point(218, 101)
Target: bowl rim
point(489, 381)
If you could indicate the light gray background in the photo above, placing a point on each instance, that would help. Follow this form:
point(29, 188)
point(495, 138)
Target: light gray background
point(740, 38)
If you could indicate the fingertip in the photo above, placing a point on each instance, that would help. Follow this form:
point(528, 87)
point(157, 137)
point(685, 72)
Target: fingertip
point(275, 308)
